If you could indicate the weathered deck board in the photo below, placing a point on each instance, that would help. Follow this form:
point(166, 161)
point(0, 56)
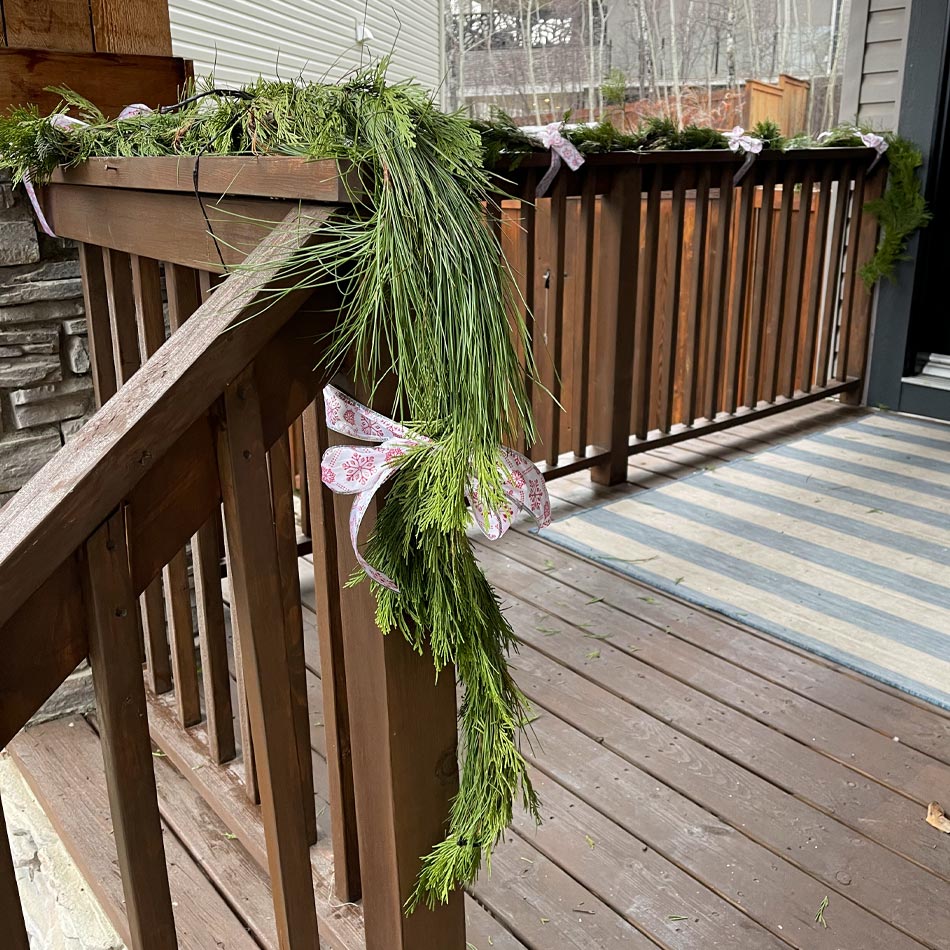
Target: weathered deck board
point(704, 785)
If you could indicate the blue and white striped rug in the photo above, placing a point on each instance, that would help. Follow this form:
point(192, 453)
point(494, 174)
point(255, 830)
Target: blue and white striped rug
point(837, 542)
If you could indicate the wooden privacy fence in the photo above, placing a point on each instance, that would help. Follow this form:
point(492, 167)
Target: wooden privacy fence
point(206, 405)
point(664, 302)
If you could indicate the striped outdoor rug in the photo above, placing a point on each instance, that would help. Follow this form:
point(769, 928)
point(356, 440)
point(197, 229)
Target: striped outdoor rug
point(837, 542)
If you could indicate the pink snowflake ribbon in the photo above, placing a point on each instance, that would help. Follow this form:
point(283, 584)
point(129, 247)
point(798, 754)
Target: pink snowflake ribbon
point(560, 148)
point(362, 470)
point(66, 123)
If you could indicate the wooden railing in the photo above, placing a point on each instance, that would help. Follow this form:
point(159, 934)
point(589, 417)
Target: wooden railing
point(210, 414)
point(663, 301)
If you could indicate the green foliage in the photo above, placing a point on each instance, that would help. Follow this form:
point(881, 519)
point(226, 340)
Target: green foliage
point(901, 210)
point(614, 87)
point(427, 301)
point(770, 133)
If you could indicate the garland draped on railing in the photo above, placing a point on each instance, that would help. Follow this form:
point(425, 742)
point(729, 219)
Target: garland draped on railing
point(428, 301)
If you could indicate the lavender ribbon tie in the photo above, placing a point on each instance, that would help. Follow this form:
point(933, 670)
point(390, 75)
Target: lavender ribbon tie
point(561, 149)
point(362, 470)
point(66, 123)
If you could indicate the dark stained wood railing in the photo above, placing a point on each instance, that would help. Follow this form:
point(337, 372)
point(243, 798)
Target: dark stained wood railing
point(667, 301)
point(661, 301)
point(197, 457)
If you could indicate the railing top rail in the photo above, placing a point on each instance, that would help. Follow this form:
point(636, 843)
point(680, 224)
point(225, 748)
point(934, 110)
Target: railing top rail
point(72, 495)
point(265, 176)
point(620, 159)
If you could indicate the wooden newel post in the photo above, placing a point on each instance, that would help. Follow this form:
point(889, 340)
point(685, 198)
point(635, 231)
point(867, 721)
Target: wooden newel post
point(404, 736)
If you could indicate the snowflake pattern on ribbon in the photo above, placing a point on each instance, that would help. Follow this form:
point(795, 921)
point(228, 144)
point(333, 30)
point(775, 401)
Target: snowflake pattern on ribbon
point(361, 470)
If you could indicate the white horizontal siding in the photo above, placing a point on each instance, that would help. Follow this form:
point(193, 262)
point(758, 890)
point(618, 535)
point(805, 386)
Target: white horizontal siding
point(239, 40)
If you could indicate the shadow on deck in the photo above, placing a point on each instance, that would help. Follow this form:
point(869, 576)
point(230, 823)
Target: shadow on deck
point(704, 785)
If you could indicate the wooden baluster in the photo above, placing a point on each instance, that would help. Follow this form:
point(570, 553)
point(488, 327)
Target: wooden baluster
point(258, 601)
point(300, 475)
point(285, 524)
point(719, 298)
point(760, 290)
point(123, 731)
point(244, 718)
point(735, 334)
point(212, 642)
point(182, 635)
point(150, 324)
point(117, 268)
point(669, 368)
point(790, 344)
point(778, 263)
point(11, 912)
point(853, 361)
point(529, 224)
point(96, 300)
point(645, 323)
point(326, 576)
point(815, 283)
point(184, 298)
point(618, 320)
point(694, 314)
point(582, 324)
point(831, 313)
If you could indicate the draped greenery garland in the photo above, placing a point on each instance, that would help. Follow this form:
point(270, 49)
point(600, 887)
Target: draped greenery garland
point(430, 303)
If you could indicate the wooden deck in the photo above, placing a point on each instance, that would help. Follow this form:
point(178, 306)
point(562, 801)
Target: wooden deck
point(703, 784)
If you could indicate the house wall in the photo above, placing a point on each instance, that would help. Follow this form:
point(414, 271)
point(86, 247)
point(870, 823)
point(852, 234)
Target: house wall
point(874, 65)
point(239, 40)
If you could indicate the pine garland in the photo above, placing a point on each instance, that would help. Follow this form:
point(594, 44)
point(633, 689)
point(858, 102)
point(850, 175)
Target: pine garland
point(429, 302)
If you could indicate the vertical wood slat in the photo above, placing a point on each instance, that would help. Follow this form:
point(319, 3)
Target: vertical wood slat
point(619, 322)
point(548, 346)
point(150, 325)
point(238, 634)
point(96, 301)
point(831, 311)
point(181, 286)
point(850, 274)
point(212, 642)
point(645, 320)
point(529, 224)
point(816, 282)
point(11, 912)
point(776, 328)
point(404, 736)
point(737, 317)
point(123, 729)
point(855, 365)
point(327, 592)
point(671, 323)
point(719, 299)
point(694, 313)
point(299, 461)
point(760, 291)
point(117, 268)
point(258, 602)
point(285, 524)
point(582, 323)
point(791, 343)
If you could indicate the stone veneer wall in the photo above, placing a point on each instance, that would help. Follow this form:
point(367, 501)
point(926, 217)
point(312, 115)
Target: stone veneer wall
point(45, 387)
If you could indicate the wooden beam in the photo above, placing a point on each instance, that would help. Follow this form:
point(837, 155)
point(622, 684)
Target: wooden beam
point(107, 80)
point(276, 176)
point(48, 24)
point(11, 913)
point(131, 26)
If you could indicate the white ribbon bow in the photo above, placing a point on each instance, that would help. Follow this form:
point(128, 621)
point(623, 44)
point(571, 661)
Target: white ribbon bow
point(738, 139)
point(66, 123)
point(560, 148)
point(362, 470)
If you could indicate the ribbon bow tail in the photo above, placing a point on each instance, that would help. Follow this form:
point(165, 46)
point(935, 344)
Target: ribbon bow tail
point(524, 488)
